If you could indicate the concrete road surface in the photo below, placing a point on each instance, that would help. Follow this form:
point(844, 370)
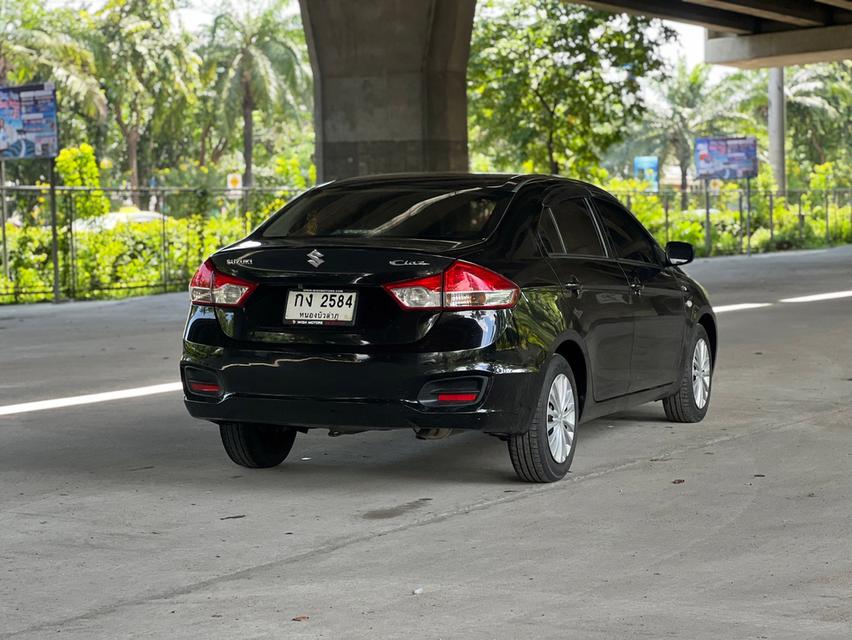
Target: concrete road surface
point(124, 519)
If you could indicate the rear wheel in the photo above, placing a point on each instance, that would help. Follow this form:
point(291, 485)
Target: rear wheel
point(544, 453)
point(692, 399)
point(257, 446)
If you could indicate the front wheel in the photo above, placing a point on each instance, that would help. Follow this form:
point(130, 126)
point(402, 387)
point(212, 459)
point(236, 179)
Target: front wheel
point(256, 446)
point(544, 453)
point(692, 399)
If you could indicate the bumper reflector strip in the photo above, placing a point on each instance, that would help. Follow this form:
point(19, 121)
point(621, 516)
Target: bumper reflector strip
point(204, 387)
point(456, 397)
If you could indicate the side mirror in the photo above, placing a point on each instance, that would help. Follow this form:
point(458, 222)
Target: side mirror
point(680, 253)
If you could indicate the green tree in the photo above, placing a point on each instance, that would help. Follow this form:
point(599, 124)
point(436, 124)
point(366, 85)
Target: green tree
point(819, 112)
point(213, 136)
point(34, 45)
point(145, 64)
point(552, 85)
point(257, 68)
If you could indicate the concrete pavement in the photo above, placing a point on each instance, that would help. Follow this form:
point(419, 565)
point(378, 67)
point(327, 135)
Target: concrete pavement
point(125, 519)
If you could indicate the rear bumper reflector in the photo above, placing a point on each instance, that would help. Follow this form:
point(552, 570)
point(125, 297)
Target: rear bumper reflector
point(457, 397)
point(204, 387)
point(453, 392)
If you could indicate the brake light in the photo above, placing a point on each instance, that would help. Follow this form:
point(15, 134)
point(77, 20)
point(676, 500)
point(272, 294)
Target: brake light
point(463, 285)
point(210, 287)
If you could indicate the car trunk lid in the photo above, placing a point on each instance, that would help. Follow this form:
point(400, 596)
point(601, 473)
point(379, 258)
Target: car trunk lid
point(330, 273)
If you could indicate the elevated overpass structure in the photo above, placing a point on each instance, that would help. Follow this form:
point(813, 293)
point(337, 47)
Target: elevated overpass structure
point(390, 90)
point(757, 33)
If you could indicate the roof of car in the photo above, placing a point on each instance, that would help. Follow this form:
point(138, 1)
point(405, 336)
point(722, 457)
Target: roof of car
point(462, 180)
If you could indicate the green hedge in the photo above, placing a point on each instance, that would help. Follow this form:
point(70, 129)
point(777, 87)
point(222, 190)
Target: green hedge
point(115, 263)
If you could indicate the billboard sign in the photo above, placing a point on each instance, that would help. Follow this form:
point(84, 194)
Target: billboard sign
point(28, 127)
point(726, 158)
point(647, 169)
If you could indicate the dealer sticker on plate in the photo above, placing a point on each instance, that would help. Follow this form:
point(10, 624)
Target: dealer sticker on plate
point(320, 306)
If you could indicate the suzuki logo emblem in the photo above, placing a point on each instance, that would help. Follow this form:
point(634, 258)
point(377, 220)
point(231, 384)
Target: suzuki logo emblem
point(315, 258)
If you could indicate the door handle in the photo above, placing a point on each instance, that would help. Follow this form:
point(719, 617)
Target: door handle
point(636, 286)
point(573, 284)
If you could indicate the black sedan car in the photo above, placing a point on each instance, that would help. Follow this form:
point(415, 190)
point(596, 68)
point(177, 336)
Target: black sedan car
point(518, 306)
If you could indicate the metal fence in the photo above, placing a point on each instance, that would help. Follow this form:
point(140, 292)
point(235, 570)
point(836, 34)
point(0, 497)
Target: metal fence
point(83, 243)
point(736, 221)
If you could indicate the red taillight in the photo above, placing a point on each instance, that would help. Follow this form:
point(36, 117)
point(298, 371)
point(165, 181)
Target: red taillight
point(463, 285)
point(210, 287)
point(201, 285)
point(469, 286)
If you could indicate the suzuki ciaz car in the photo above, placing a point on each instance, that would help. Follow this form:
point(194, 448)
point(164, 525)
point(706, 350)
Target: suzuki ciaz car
point(518, 306)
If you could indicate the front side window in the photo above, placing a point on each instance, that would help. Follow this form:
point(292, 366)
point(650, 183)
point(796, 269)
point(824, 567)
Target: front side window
point(392, 211)
point(628, 238)
point(579, 235)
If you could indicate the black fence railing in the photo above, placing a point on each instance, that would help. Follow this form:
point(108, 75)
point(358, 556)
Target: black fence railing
point(109, 243)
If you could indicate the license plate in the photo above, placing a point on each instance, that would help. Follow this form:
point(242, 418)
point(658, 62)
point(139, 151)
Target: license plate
point(320, 307)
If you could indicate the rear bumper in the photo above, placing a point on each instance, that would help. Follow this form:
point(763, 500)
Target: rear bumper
point(360, 391)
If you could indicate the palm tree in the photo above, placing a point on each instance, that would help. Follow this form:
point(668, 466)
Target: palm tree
point(817, 98)
point(29, 52)
point(257, 68)
point(688, 105)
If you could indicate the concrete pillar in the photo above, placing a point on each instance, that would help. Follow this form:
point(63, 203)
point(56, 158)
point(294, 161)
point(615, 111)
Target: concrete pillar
point(389, 84)
point(777, 126)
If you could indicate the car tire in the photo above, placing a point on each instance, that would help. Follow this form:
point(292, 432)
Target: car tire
point(536, 454)
point(256, 446)
point(692, 399)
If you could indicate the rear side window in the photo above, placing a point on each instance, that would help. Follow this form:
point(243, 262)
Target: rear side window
point(627, 236)
point(465, 213)
point(578, 231)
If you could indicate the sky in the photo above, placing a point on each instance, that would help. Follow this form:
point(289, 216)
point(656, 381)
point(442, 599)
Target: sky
point(690, 44)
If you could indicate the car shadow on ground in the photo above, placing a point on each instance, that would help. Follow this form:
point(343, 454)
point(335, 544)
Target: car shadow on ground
point(171, 448)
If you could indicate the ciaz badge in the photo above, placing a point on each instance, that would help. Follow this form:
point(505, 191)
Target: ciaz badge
point(408, 263)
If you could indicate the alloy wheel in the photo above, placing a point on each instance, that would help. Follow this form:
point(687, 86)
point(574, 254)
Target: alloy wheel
point(701, 373)
point(561, 418)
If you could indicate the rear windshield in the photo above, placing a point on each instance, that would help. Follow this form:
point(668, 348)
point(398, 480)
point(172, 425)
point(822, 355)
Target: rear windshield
point(397, 212)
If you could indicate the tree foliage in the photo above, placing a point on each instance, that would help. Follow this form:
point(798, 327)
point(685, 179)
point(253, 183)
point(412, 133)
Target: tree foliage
point(155, 99)
point(146, 66)
point(35, 45)
point(256, 67)
point(819, 115)
point(77, 167)
point(552, 85)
